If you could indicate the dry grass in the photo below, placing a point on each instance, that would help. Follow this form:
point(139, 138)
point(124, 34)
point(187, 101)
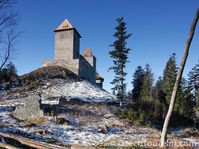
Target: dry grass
point(35, 121)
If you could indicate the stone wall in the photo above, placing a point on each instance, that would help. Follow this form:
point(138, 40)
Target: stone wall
point(86, 71)
point(99, 83)
point(91, 60)
point(80, 67)
point(72, 65)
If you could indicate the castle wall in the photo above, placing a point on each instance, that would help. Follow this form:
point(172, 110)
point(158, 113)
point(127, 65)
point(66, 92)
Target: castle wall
point(72, 65)
point(86, 70)
point(91, 60)
point(78, 66)
point(99, 83)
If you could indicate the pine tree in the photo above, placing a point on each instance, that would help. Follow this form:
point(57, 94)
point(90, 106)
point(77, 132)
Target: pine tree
point(120, 56)
point(169, 77)
point(160, 96)
point(147, 85)
point(193, 86)
point(160, 99)
point(193, 81)
point(158, 91)
point(137, 82)
point(9, 73)
point(184, 102)
point(12, 71)
point(4, 75)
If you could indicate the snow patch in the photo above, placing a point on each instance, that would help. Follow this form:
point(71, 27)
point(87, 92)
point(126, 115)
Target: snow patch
point(82, 90)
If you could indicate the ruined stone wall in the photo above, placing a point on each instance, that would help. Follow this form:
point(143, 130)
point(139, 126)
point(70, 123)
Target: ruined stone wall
point(86, 71)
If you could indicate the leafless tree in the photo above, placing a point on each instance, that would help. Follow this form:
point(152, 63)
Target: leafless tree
point(178, 78)
point(11, 37)
point(8, 36)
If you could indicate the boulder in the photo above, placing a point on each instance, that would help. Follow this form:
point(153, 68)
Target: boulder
point(103, 128)
point(30, 110)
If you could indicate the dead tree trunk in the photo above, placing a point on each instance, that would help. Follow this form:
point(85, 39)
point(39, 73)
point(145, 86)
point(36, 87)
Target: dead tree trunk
point(178, 78)
point(29, 142)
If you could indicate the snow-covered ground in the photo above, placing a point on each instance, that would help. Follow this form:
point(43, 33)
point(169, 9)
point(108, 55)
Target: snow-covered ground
point(84, 131)
point(82, 90)
point(88, 124)
point(117, 133)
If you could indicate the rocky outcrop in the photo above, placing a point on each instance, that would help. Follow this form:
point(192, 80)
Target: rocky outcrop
point(30, 110)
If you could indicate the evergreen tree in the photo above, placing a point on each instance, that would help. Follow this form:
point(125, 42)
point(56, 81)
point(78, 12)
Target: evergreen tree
point(184, 102)
point(193, 81)
point(137, 82)
point(9, 73)
point(158, 91)
point(147, 85)
point(193, 86)
point(160, 95)
point(4, 75)
point(160, 99)
point(169, 76)
point(120, 56)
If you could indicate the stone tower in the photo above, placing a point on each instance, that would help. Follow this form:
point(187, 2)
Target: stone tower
point(67, 54)
point(67, 41)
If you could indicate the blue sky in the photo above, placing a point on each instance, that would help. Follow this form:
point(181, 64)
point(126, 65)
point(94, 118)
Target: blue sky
point(158, 27)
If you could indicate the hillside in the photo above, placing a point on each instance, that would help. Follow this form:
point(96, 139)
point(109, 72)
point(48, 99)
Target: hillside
point(54, 81)
point(86, 118)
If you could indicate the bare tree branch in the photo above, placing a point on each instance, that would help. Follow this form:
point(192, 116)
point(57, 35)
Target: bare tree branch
point(7, 21)
point(7, 33)
point(11, 38)
point(6, 3)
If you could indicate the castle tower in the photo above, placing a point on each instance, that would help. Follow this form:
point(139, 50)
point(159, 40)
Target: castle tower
point(67, 41)
point(67, 54)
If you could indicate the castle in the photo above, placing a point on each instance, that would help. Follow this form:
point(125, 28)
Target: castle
point(67, 54)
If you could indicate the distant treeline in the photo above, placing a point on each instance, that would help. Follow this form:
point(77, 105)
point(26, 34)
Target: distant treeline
point(148, 102)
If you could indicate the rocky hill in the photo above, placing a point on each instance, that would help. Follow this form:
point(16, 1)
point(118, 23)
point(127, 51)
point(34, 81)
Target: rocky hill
point(54, 81)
